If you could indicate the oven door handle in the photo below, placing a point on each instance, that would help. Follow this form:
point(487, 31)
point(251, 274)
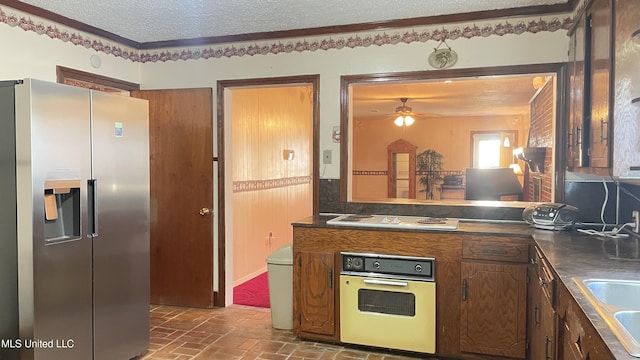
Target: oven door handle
point(386, 282)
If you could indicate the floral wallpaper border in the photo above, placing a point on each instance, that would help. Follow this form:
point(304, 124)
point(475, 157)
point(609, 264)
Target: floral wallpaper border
point(447, 32)
point(257, 185)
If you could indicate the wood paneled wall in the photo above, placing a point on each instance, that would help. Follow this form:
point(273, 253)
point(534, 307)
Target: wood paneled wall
point(269, 192)
point(450, 136)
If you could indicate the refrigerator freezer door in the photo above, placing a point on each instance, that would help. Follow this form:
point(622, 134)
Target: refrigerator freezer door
point(8, 244)
point(52, 143)
point(120, 127)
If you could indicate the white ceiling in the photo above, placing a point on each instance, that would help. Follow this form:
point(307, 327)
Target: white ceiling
point(163, 20)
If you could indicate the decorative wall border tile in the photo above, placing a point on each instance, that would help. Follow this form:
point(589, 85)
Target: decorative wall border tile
point(370, 172)
point(500, 27)
point(257, 185)
point(418, 173)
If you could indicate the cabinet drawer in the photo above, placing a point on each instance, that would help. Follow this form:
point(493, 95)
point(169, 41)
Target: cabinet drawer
point(495, 250)
point(546, 278)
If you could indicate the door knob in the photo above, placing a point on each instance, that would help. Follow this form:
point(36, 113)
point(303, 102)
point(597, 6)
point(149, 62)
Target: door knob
point(205, 211)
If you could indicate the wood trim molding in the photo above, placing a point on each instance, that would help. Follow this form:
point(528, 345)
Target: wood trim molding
point(64, 74)
point(569, 6)
point(314, 80)
point(347, 80)
point(368, 26)
point(48, 15)
point(222, 85)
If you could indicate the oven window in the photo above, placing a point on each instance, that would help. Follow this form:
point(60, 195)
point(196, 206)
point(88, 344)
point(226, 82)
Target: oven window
point(387, 302)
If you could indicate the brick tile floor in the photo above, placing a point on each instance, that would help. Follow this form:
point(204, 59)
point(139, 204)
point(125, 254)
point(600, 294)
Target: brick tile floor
point(239, 333)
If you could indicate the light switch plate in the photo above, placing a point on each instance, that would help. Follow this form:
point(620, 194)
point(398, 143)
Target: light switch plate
point(326, 157)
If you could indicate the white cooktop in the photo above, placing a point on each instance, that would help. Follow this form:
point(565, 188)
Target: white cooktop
point(398, 222)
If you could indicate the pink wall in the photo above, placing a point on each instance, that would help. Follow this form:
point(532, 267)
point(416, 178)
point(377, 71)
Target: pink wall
point(449, 136)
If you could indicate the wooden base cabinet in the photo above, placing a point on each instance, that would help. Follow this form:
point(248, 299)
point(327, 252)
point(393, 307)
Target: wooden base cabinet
point(494, 297)
point(314, 285)
point(493, 312)
point(542, 314)
point(577, 337)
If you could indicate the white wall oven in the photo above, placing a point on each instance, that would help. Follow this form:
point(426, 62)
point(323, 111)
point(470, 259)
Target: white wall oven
point(388, 301)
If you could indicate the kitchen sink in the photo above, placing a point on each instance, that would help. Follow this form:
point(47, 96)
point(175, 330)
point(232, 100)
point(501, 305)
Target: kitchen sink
point(630, 321)
point(621, 294)
point(618, 302)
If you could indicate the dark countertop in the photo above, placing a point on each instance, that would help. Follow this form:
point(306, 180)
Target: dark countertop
point(571, 254)
point(575, 255)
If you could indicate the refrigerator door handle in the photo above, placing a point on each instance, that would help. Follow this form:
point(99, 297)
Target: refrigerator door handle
point(92, 207)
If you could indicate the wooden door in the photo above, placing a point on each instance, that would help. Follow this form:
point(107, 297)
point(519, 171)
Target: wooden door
point(493, 314)
point(401, 178)
point(181, 169)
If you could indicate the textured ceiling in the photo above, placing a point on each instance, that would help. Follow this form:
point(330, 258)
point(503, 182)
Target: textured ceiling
point(164, 20)
point(487, 96)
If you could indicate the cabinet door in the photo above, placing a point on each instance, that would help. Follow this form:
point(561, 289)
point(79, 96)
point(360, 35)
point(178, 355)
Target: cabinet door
point(547, 330)
point(600, 17)
point(542, 315)
point(316, 302)
point(576, 99)
point(576, 74)
point(493, 311)
point(577, 337)
point(625, 132)
point(534, 316)
point(567, 350)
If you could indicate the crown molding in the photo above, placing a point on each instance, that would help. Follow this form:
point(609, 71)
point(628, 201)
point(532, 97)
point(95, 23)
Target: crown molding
point(567, 7)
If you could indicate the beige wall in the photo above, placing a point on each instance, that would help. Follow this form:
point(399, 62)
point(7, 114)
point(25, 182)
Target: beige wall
point(28, 54)
point(269, 192)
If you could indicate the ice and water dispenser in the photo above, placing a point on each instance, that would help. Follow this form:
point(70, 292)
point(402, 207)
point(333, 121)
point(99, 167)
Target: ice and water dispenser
point(61, 210)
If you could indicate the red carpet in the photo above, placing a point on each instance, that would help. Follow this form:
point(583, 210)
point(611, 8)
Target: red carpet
point(254, 292)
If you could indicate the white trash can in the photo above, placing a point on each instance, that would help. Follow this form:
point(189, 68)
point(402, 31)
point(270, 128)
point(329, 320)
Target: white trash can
point(280, 274)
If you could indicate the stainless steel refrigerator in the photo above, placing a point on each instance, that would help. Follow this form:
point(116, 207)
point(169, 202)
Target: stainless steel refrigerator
point(74, 223)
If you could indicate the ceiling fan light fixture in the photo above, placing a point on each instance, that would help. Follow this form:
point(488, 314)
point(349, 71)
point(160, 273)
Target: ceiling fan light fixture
point(408, 120)
point(403, 110)
point(404, 120)
point(404, 114)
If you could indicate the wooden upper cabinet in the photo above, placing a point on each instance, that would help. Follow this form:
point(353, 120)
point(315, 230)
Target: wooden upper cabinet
point(576, 96)
point(314, 282)
point(599, 21)
point(625, 163)
point(590, 122)
point(493, 312)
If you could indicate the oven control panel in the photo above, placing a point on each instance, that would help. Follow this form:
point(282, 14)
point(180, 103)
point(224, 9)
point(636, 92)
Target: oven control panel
point(390, 266)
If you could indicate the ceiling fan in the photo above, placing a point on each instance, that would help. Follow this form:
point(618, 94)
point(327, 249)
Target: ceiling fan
point(370, 106)
point(405, 115)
